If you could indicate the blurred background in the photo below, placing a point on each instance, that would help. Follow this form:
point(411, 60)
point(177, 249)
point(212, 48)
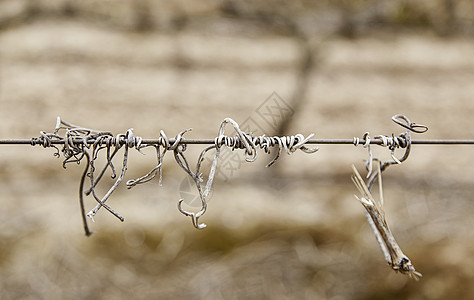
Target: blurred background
point(292, 231)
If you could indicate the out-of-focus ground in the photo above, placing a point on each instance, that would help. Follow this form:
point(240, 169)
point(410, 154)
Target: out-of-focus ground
point(292, 231)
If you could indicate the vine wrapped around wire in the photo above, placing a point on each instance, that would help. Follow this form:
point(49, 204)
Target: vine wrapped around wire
point(79, 143)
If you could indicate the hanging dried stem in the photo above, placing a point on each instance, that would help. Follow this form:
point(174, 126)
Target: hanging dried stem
point(374, 208)
point(376, 217)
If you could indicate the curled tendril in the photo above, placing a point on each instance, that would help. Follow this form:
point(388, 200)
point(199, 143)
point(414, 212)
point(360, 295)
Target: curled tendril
point(79, 143)
point(391, 142)
point(250, 143)
point(241, 140)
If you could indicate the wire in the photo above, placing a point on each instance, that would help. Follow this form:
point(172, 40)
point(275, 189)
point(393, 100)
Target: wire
point(212, 141)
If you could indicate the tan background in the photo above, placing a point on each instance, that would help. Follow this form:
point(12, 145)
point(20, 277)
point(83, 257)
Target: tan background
point(293, 231)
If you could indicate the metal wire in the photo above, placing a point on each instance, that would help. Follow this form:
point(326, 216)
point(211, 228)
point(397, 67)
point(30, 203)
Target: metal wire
point(212, 141)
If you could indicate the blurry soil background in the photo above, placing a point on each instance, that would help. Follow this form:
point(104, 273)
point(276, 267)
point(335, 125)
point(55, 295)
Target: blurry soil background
point(292, 231)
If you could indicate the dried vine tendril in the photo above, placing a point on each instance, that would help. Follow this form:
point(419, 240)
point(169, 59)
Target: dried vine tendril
point(392, 143)
point(80, 142)
point(241, 140)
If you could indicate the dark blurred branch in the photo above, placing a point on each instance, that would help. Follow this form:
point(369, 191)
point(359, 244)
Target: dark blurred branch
point(281, 19)
point(304, 71)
